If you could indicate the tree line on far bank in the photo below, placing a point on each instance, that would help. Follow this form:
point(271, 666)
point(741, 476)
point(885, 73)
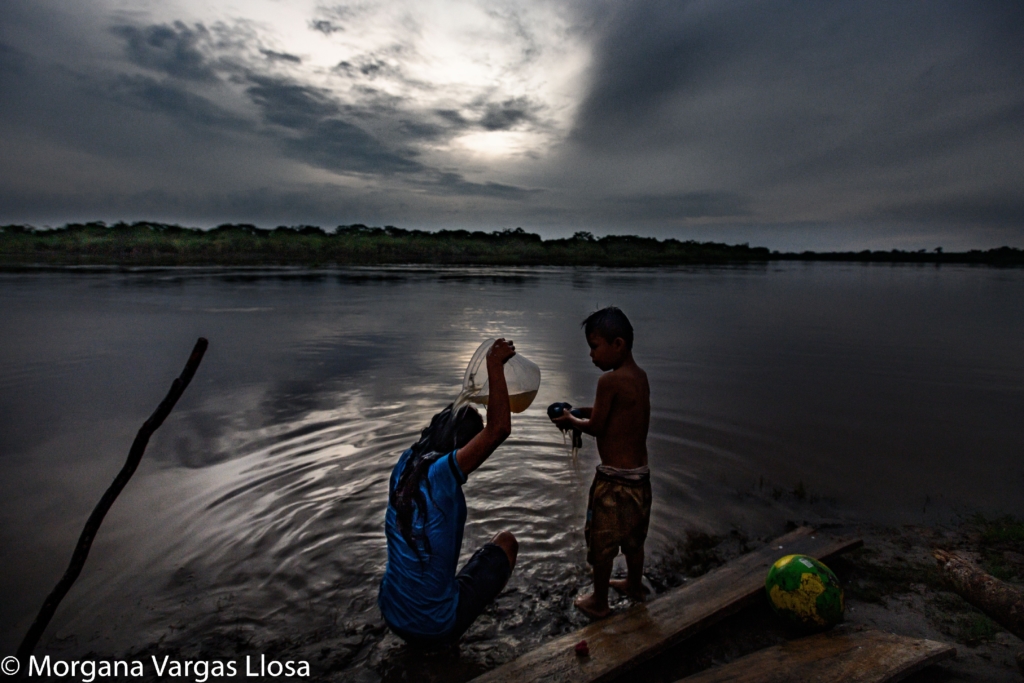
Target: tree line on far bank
point(148, 243)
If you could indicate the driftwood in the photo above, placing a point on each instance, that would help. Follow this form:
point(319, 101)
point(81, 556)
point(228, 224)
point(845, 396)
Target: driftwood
point(999, 600)
point(99, 512)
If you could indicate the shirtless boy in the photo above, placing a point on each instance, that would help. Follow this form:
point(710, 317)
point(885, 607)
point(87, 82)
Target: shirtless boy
point(619, 508)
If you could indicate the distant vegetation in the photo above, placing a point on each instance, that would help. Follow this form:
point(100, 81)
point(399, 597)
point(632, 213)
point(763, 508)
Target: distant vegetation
point(159, 244)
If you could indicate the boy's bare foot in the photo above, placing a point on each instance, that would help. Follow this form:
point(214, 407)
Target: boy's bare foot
point(623, 587)
point(588, 605)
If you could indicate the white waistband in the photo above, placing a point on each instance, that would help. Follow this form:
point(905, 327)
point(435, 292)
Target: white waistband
point(634, 474)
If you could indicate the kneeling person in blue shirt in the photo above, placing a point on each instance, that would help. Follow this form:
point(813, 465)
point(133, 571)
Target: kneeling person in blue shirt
point(421, 597)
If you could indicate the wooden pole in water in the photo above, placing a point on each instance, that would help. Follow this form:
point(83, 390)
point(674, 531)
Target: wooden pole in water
point(99, 512)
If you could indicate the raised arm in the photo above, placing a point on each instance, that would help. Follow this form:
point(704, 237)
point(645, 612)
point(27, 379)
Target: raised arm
point(499, 416)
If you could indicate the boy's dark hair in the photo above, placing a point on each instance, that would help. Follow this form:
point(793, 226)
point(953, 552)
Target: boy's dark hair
point(609, 323)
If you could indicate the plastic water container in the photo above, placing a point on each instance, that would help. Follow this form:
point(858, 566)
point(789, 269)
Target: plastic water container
point(521, 375)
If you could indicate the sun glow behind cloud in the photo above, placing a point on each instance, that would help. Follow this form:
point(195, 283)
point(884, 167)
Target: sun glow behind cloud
point(488, 144)
point(506, 77)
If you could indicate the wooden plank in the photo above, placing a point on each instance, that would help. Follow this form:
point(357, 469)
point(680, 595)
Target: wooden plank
point(839, 656)
point(622, 641)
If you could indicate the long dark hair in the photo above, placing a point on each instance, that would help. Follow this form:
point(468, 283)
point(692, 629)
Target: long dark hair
point(446, 432)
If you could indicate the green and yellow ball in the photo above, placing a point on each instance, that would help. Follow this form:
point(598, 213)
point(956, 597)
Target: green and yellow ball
point(805, 592)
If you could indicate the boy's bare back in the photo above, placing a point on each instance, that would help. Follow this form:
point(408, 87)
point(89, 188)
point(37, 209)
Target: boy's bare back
point(624, 397)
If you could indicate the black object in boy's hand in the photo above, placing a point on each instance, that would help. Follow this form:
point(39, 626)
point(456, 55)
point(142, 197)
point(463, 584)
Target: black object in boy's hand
point(555, 411)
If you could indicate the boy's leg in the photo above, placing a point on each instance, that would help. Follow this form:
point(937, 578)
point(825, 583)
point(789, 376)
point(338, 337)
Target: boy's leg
point(638, 517)
point(602, 546)
point(595, 605)
point(632, 586)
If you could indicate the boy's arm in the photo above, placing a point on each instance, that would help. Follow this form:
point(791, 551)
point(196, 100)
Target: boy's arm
point(499, 416)
point(596, 417)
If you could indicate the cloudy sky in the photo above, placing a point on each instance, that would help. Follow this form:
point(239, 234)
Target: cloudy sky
point(790, 124)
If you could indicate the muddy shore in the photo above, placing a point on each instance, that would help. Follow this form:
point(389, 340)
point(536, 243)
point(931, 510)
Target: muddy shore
point(891, 583)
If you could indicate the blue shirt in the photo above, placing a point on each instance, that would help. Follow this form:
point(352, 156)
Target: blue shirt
point(419, 593)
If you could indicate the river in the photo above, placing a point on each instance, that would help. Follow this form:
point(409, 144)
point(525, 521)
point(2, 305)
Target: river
point(792, 391)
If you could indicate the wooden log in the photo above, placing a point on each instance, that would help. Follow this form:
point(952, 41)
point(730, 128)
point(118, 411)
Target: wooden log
point(620, 642)
point(839, 656)
point(999, 600)
point(92, 525)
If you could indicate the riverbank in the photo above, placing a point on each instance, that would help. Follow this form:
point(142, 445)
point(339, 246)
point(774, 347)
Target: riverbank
point(891, 584)
point(146, 243)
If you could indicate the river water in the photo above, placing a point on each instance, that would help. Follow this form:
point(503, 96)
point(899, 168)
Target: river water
point(254, 524)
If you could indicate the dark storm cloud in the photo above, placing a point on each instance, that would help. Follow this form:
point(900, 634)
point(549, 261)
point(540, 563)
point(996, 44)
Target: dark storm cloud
point(507, 114)
point(14, 66)
point(388, 64)
point(82, 127)
point(997, 209)
point(290, 104)
point(898, 140)
point(340, 146)
point(452, 116)
point(659, 54)
point(319, 128)
point(324, 138)
point(329, 137)
point(325, 26)
point(321, 135)
point(368, 66)
point(305, 123)
point(883, 98)
point(491, 116)
point(332, 19)
point(455, 184)
point(649, 51)
point(11, 61)
point(281, 56)
point(167, 98)
point(675, 206)
point(170, 48)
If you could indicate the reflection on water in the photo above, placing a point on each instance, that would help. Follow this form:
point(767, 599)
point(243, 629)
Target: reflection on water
point(255, 521)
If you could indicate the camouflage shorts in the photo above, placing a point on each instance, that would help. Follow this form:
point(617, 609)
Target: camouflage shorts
point(618, 514)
